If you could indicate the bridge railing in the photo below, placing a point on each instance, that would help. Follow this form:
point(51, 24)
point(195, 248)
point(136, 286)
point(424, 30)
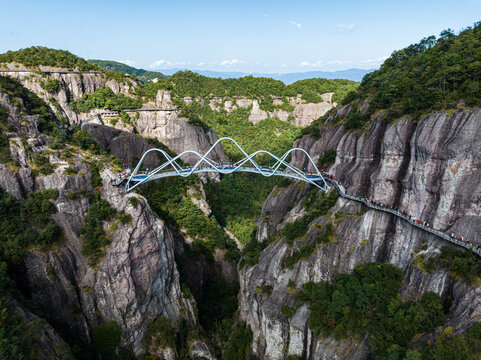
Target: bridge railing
point(412, 221)
point(204, 160)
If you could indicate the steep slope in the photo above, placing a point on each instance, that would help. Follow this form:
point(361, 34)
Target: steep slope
point(69, 85)
point(429, 168)
point(130, 279)
point(141, 74)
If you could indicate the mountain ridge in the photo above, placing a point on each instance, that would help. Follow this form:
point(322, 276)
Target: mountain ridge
point(354, 74)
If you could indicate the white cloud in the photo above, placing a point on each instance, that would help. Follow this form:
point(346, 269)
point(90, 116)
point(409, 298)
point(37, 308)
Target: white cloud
point(338, 62)
point(201, 64)
point(128, 62)
point(284, 65)
point(166, 63)
point(159, 63)
point(295, 24)
point(231, 62)
point(309, 64)
point(375, 61)
point(345, 28)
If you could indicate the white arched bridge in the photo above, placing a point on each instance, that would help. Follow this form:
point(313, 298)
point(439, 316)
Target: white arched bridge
point(205, 164)
point(281, 167)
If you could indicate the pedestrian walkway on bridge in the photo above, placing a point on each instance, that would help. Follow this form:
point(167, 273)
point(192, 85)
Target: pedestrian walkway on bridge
point(281, 167)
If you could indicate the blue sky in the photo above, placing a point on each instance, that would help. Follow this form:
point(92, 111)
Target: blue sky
point(242, 35)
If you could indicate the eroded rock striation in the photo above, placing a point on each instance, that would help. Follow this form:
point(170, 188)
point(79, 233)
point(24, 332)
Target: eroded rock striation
point(135, 281)
point(74, 85)
point(431, 169)
point(303, 113)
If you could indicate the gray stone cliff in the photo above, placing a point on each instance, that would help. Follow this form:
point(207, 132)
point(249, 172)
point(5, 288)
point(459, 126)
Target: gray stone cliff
point(137, 279)
point(432, 169)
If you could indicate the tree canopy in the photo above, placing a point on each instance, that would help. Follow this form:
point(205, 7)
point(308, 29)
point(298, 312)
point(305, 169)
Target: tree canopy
point(433, 74)
point(39, 55)
point(190, 84)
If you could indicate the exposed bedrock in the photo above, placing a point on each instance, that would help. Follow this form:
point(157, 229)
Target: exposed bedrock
point(431, 169)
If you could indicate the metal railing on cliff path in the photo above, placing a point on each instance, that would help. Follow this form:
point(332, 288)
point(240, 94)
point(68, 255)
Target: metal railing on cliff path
point(205, 164)
point(463, 243)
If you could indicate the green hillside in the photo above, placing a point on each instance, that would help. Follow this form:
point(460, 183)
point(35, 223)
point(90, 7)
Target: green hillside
point(433, 74)
point(141, 74)
point(188, 83)
point(38, 55)
point(41, 56)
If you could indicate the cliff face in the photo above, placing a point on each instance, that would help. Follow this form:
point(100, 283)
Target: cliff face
point(164, 125)
point(177, 134)
point(75, 84)
point(134, 282)
point(431, 169)
point(303, 113)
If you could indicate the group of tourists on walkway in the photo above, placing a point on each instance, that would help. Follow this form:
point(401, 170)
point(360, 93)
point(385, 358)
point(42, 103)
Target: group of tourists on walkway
point(407, 216)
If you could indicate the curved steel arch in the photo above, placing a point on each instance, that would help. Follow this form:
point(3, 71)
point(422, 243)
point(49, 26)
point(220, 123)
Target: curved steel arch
point(315, 178)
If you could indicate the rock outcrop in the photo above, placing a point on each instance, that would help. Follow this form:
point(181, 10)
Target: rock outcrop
point(303, 113)
point(178, 134)
point(46, 343)
point(74, 85)
point(432, 169)
point(135, 281)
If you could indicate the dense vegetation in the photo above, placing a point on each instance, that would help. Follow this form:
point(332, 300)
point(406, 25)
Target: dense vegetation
point(38, 55)
point(327, 158)
point(169, 199)
point(105, 98)
point(461, 264)
point(25, 224)
point(239, 342)
point(187, 83)
point(433, 74)
point(52, 85)
point(237, 200)
point(28, 104)
point(35, 56)
point(141, 74)
point(368, 301)
point(250, 137)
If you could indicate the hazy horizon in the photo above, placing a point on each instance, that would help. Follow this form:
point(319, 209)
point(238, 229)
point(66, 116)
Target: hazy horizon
point(252, 37)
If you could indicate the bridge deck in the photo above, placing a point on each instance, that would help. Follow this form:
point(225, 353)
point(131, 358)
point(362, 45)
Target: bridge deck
point(316, 178)
point(223, 170)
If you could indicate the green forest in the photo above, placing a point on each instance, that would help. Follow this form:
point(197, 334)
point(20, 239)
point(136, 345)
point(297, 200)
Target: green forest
point(39, 55)
point(187, 83)
point(141, 74)
point(433, 74)
point(35, 56)
point(368, 300)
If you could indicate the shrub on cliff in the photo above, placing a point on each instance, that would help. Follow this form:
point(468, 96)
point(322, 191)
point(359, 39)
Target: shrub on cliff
point(368, 301)
point(105, 98)
point(27, 223)
point(52, 85)
point(93, 235)
point(106, 339)
point(327, 158)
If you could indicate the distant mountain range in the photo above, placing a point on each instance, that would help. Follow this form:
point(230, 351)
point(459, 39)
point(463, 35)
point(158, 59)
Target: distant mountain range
point(288, 78)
